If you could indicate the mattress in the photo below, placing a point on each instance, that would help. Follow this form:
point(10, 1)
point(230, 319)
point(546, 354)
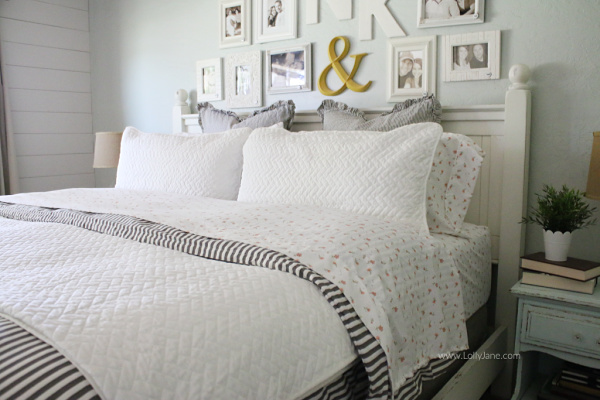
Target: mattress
point(472, 255)
point(106, 301)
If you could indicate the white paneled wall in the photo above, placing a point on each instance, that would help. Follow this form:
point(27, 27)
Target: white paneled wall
point(46, 57)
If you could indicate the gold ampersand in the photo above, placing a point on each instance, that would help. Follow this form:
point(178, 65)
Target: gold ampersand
point(347, 79)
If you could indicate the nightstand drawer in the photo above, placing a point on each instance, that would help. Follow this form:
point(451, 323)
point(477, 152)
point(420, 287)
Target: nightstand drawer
point(574, 331)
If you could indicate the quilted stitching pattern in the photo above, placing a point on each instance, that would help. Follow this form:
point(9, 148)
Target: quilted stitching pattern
point(198, 165)
point(376, 173)
point(144, 231)
point(148, 314)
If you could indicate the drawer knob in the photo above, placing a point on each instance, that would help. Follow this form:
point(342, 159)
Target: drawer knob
point(578, 337)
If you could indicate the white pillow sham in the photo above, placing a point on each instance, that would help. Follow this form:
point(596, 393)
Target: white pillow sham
point(207, 165)
point(454, 173)
point(375, 173)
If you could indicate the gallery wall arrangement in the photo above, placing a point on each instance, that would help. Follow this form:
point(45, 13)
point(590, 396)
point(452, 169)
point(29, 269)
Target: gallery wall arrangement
point(412, 62)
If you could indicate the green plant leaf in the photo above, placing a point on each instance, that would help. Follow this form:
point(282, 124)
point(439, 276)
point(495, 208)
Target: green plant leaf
point(562, 210)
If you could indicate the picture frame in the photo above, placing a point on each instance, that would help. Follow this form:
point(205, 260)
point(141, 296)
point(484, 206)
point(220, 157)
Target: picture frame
point(288, 69)
point(234, 23)
point(209, 79)
point(404, 56)
point(243, 79)
point(275, 20)
point(433, 13)
point(471, 56)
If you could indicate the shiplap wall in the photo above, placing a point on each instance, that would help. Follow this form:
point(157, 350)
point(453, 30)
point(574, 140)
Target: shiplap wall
point(46, 57)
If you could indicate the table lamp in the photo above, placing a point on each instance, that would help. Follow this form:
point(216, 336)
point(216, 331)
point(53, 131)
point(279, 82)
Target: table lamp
point(593, 184)
point(107, 149)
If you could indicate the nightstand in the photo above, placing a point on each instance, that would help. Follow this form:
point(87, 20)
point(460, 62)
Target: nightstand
point(553, 325)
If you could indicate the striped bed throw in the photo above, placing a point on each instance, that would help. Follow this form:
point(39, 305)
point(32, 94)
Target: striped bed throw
point(32, 369)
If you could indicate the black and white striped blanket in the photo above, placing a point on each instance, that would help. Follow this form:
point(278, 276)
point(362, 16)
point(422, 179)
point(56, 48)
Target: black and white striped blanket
point(143, 231)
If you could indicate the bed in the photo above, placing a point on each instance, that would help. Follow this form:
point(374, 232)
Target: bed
point(136, 292)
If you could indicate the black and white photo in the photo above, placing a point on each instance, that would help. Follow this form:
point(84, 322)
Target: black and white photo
point(412, 67)
point(234, 23)
point(288, 69)
point(469, 56)
point(275, 20)
point(276, 15)
point(434, 13)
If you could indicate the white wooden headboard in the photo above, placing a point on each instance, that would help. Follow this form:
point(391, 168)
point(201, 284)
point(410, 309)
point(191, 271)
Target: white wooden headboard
point(483, 124)
point(500, 196)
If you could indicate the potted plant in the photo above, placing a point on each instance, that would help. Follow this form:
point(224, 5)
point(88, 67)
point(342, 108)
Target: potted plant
point(559, 213)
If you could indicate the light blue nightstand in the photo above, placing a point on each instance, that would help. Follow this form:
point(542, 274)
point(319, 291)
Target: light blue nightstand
point(563, 324)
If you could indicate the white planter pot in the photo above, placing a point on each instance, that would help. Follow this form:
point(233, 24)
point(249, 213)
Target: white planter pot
point(557, 245)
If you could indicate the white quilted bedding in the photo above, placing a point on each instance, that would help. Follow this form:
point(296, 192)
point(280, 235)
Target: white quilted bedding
point(147, 322)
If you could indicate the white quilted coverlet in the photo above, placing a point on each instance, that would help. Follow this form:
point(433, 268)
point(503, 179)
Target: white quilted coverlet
point(376, 173)
point(146, 322)
point(208, 165)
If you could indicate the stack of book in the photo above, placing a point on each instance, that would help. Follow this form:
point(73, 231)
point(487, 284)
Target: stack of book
point(572, 382)
point(574, 274)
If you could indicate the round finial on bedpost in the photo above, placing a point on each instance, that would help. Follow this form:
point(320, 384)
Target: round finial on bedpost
point(519, 75)
point(181, 97)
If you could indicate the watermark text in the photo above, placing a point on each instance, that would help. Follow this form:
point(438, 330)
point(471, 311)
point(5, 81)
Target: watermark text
point(480, 356)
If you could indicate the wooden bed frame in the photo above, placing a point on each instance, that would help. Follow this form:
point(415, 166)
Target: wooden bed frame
point(499, 202)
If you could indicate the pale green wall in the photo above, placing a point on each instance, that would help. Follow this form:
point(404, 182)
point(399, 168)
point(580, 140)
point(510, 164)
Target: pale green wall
point(144, 50)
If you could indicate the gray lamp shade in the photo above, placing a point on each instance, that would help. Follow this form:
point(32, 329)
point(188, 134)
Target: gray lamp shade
point(593, 184)
point(107, 149)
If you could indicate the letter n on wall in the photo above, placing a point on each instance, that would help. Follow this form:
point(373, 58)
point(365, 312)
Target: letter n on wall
point(367, 10)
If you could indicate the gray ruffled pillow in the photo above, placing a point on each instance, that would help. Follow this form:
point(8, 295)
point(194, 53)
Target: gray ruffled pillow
point(214, 120)
point(338, 116)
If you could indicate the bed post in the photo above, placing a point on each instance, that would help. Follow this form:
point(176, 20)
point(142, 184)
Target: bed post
point(180, 108)
point(514, 207)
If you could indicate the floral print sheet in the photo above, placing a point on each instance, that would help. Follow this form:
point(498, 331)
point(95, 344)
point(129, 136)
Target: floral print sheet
point(472, 254)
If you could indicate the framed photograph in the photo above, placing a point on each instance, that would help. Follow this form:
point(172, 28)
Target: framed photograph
point(234, 23)
point(449, 12)
point(471, 56)
point(411, 67)
point(209, 81)
point(243, 80)
point(275, 20)
point(288, 69)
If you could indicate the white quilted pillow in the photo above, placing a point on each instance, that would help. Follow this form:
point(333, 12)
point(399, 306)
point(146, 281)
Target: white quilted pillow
point(377, 173)
point(450, 187)
point(207, 165)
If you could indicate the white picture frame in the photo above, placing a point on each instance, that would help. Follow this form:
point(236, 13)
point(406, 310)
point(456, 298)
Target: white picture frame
point(234, 23)
point(209, 79)
point(288, 69)
point(275, 20)
point(243, 79)
point(404, 56)
point(445, 12)
point(471, 56)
